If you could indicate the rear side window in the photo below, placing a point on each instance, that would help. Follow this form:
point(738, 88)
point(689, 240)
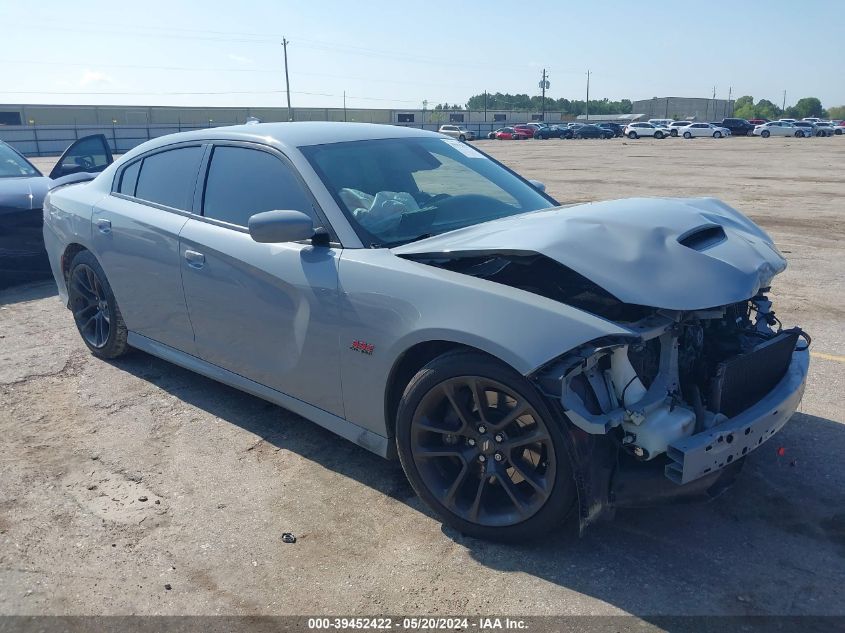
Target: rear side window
point(168, 178)
point(129, 179)
point(242, 182)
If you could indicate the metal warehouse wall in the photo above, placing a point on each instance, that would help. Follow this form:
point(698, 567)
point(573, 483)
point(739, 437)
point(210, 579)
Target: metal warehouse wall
point(684, 108)
point(23, 114)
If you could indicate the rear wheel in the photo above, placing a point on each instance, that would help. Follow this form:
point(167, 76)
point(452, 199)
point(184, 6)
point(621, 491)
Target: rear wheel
point(481, 447)
point(750, 133)
point(94, 308)
point(673, 133)
point(799, 134)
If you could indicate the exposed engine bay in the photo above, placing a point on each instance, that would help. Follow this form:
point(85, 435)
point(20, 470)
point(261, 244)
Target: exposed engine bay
point(681, 374)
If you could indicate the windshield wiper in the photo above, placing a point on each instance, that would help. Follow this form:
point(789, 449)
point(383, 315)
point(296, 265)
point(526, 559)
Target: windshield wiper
point(422, 236)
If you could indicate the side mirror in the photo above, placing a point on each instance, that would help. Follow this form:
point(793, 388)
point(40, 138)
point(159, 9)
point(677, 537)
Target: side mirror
point(272, 227)
point(537, 185)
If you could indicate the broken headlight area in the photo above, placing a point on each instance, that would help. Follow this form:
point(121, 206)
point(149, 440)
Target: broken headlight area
point(681, 374)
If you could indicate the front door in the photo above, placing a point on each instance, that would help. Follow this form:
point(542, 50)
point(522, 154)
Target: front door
point(267, 312)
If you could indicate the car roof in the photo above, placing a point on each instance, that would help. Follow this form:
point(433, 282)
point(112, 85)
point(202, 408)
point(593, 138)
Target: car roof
point(291, 134)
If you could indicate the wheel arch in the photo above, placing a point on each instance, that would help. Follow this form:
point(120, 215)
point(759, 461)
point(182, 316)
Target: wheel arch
point(70, 251)
point(409, 362)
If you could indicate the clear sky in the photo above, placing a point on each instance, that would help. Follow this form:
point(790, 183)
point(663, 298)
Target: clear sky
point(395, 54)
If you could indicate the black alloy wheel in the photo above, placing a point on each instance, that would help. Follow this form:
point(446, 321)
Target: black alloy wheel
point(482, 449)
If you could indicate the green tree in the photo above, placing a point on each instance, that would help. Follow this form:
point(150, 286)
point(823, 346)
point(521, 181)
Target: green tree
point(836, 112)
point(765, 109)
point(808, 106)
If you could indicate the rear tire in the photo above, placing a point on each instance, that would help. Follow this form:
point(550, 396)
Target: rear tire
point(799, 134)
point(480, 473)
point(95, 310)
point(673, 133)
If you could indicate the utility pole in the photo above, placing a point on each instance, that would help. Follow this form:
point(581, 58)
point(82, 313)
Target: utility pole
point(714, 102)
point(730, 107)
point(543, 83)
point(783, 109)
point(344, 106)
point(485, 106)
point(287, 79)
point(587, 102)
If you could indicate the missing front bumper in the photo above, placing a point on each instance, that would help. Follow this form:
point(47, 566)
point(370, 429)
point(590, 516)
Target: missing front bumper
point(716, 448)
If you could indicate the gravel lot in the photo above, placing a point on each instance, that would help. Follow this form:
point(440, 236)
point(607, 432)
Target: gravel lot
point(121, 478)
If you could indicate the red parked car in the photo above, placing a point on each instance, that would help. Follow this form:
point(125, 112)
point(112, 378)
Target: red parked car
point(510, 134)
point(525, 129)
point(758, 121)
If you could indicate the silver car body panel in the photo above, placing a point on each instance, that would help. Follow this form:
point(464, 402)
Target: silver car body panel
point(643, 251)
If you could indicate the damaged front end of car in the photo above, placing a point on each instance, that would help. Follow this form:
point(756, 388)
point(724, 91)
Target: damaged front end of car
point(678, 404)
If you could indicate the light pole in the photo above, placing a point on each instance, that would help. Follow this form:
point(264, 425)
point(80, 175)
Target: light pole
point(287, 79)
point(544, 84)
point(587, 102)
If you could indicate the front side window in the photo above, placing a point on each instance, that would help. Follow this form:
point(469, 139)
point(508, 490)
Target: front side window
point(242, 182)
point(13, 165)
point(397, 190)
point(169, 177)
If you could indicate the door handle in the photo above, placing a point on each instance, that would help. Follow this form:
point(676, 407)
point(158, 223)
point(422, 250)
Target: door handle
point(195, 259)
point(104, 226)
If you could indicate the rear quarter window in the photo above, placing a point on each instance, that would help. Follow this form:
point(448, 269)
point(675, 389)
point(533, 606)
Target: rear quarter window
point(168, 178)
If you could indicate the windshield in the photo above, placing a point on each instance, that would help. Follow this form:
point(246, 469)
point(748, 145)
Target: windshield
point(398, 190)
point(13, 165)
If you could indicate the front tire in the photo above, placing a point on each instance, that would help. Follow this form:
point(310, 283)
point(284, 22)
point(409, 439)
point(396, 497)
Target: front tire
point(632, 136)
point(95, 310)
point(658, 135)
point(717, 135)
point(687, 135)
point(483, 450)
point(462, 138)
point(765, 134)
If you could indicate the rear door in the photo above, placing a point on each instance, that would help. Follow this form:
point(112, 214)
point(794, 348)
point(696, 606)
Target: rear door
point(267, 312)
point(90, 154)
point(136, 239)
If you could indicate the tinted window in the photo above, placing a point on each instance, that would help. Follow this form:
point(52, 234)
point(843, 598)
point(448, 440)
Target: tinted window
point(13, 165)
point(168, 178)
point(242, 182)
point(129, 179)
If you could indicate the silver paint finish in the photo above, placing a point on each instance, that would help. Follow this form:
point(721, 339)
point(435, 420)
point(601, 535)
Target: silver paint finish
point(630, 248)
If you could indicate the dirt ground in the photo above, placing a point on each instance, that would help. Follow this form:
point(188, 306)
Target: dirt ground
point(121, 479)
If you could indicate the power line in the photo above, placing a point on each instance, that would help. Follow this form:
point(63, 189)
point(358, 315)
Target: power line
point(228, 92)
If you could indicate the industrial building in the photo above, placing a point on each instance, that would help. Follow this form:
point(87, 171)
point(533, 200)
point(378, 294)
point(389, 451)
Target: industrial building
point(684, 108)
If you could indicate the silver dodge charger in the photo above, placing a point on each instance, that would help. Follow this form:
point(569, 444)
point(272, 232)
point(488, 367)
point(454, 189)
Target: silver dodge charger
point(525, 361)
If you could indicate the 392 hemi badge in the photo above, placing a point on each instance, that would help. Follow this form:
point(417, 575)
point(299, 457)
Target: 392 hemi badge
point(363, 347)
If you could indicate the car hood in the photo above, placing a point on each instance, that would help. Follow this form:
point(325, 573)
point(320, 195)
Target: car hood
point(678, 254)
point(18, 194)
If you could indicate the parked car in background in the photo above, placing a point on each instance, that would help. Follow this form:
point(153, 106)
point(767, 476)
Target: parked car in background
point(825, 128)
point(697, 130)
point(811, 119)
point(804, 129)
point(674, 126)
point(553, 131)
point(593, 131)
point(457, 131)
point(525, 129)
point(787, 120)
point(636, 130)
point(839, 128)
point(775, 128)
point(341, 271)
point(737, 127)
point(509, 134)
point(756, 122)
point(664, 123)
point(22, 191)
point(617, 129)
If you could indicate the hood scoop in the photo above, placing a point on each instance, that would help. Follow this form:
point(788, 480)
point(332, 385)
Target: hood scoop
point(703, 237)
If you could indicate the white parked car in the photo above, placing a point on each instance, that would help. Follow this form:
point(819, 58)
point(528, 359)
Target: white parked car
point(811, 119)
point(703, 129)
point(636, 130)
point(457, 131)
point(661, 122)
point(775, 128)
point(674, 126)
